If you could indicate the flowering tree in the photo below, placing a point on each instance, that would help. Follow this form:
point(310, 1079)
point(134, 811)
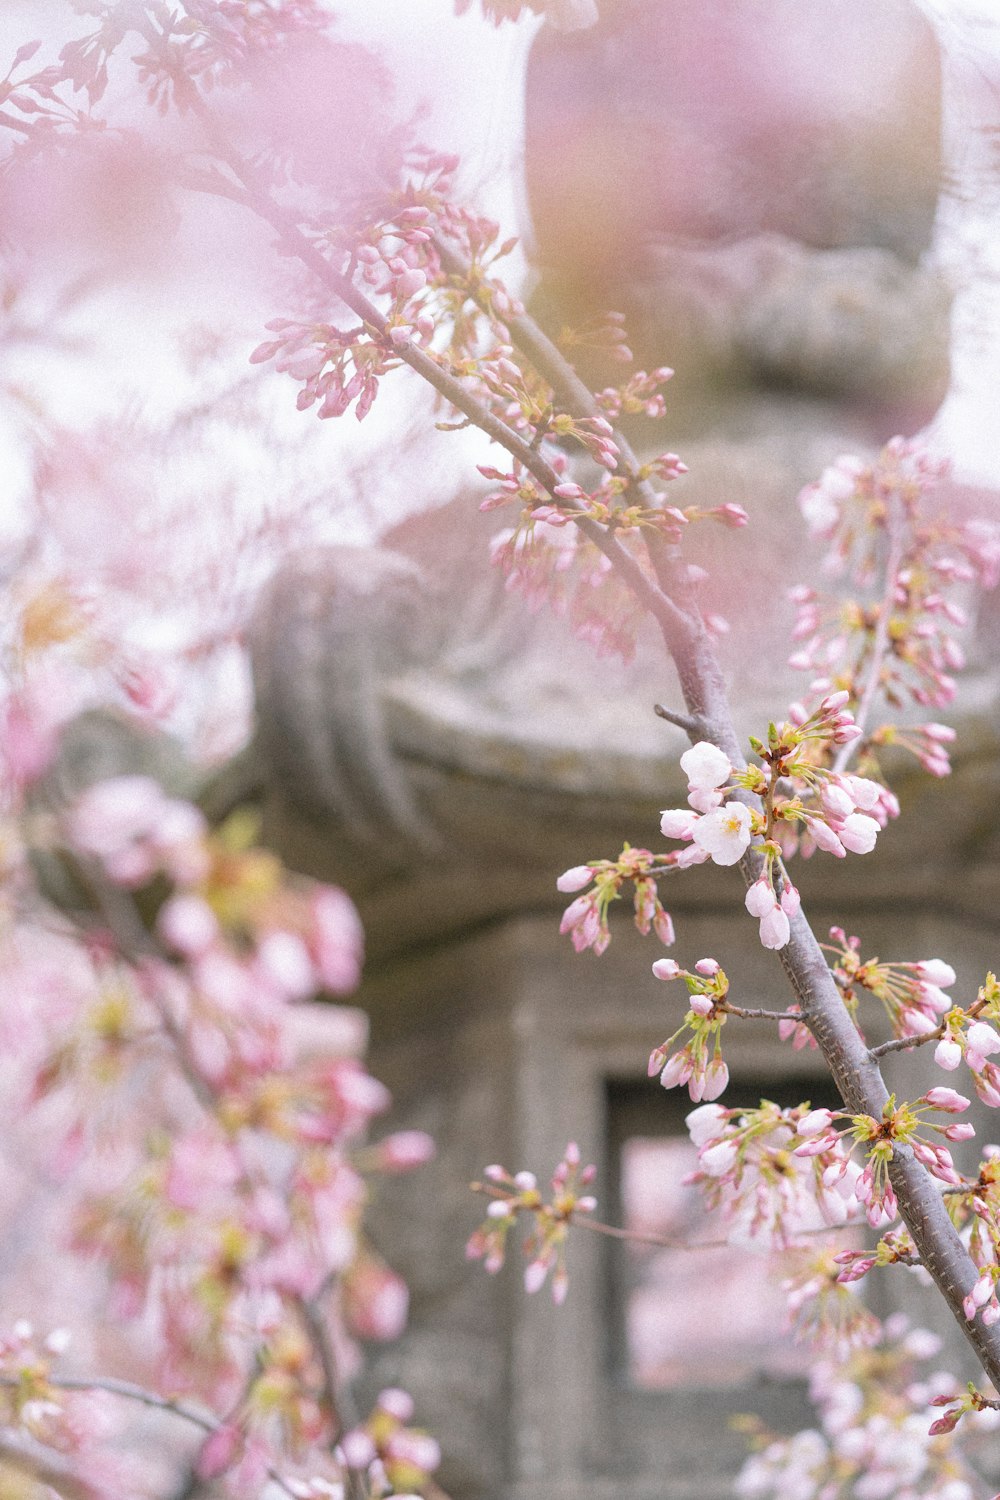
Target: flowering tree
point(163, 972)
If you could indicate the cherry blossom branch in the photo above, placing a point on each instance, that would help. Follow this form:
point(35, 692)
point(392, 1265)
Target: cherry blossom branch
point(880, 639)
point(692, 727)
point(656, 600)
point(135, 940)
point(567, 387)
point(335, 1395)
point(854, 1069)
point(758, 1013)
point(665, 1242)
point(142, 1396)
point(855, 1073)
point(906, 1043)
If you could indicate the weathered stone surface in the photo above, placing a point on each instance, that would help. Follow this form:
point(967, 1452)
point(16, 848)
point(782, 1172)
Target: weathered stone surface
point(754, 185)
point(722, 119)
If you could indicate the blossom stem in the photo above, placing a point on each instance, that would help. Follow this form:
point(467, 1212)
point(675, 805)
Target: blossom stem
point(335, 1396)
point(666, 1242)
point(906, 1043)
point(880, 639)
point(758, 1013)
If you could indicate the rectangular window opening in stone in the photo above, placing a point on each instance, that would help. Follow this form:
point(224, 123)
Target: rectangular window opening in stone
point(707, 1319)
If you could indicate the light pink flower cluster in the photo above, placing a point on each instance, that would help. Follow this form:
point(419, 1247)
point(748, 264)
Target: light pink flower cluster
point(712, 829)
point(232, 1186)
point(832, 808)
point(773, 1174)
point(335, 367)
point(900, 1125)
point(393, 1457)
point(641, 394)
point(545, 1246)
point(824, 1307)
point(698, 1062)
point(879, 1437)
point(135, 830)
point(976, 1041)
point(912, 994)
point(853, 505)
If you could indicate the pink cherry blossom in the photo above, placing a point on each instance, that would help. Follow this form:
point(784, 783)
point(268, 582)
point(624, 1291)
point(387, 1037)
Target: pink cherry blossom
point(936, 972)
point(678, 822)
point(824, 837)
point(706, 766)
point(947, 1099)
point(705, 1123)
point(858, 833)
point(724, 835)
point(404, 1150)
point(981, 1041)
point(188, 924)
point(948, 1054)
point(761, 902)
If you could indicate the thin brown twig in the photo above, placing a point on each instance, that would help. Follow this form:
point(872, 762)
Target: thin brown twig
point(758, 1013)
point(906, 1043)
point(663, 1242)
point(880, 639)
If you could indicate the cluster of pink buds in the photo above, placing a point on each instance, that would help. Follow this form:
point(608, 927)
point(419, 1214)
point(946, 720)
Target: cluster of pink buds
point(981, 1299)
point(640, 394)
point(586, 918)
point(519, 486)
point(926, 741)
point(394, 1457)
point(538, 561)
point(972, 1402)
point(698, 1063)
point(912, 994)
point(391, 261)
point(902, 471)
point(336, 367)
point(607, 333)
point(773, 911)
point(969, 1034)
point(596, 434)
point(545, 1245)
point(824, 1307)
point(130, 826)
point(830, 810)
point(774, 1174)
point(832, 721)
point(894, 1248)
point(899, 1125)
point(855, 506)
point(977, 1216)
